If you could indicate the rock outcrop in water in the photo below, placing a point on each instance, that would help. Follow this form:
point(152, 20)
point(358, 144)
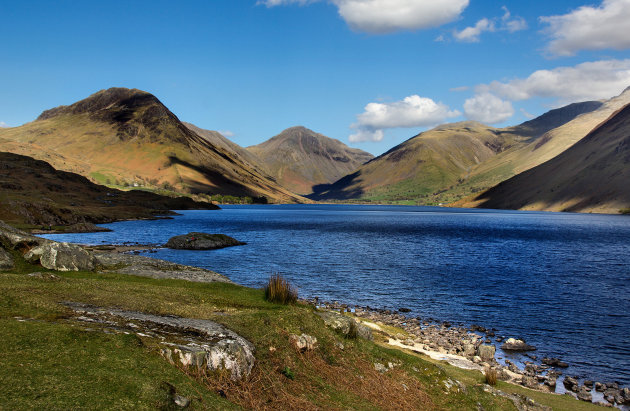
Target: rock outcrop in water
point(202, 241)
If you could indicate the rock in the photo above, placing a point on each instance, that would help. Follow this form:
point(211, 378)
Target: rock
point(345, 325)
point(6, 260)
point(604, 404)
point(61, 257)
point(626, 395)
point(86, 228)
point(180, 401)
point(14, 239)
point(554, 362)
point(512, 344)
point(599, 387)
point(570, 384)
point(584, 394)
point(486, 352)
point(529, 382)
point(44, 276)
point(380, 367)
point(588, 384)
point(187, 342)
point(551, 383)
point(201, 241)
point(469, 350)
point(404, 310)
point(303, 342)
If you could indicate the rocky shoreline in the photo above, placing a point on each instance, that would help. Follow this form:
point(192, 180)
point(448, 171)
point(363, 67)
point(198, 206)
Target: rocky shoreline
point(471, 347)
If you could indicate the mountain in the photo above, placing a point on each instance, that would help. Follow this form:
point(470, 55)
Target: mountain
point(455, 161)
point(299, 158)
point(420, 166)
point(591, 176)
point(535, 151)
point(129, 137)
point(34, 193)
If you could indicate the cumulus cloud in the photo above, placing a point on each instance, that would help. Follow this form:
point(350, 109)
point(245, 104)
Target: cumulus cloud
point(586, 81)
point(590, 28)
point(386, 16)
point(488, 108)
point(471, 34)
point(412, 111)
point(505, 23)
point(3, 124)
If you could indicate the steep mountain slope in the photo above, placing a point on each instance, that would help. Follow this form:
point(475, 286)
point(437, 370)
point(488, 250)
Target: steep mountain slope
point(591, 176)
point(299, 158)
point(447, 163)
point(33, 192)
point(130, 136)
point(421, 165)
point(535, 152)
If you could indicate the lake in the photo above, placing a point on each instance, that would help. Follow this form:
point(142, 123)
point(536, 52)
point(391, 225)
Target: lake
point(561, 281)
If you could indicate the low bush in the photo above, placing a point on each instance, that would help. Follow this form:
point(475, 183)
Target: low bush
point(279, 290)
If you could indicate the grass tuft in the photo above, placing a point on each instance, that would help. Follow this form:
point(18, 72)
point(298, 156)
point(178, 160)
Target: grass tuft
point(279, 290)
point(491, 376)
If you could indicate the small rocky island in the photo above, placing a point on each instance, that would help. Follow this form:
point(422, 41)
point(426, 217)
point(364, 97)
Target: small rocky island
point(201, 241)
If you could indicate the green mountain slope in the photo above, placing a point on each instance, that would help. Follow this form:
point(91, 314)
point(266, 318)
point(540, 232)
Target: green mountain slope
point(129, 136)
point(299, 158)
point(591, 176)
point(421, 166)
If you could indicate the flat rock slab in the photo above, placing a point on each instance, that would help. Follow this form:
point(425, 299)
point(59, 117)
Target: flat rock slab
point(187, 341)
point(154, 268)
point(201, 241)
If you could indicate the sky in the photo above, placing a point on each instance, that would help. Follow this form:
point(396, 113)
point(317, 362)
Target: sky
point(371, 73)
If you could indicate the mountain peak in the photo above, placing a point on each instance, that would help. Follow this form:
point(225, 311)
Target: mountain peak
point(115, 97)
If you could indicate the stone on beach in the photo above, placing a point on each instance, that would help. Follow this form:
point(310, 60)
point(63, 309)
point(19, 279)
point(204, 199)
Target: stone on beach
point(513, 344)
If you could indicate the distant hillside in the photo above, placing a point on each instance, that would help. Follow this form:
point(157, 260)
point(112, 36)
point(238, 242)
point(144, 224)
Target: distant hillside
point(591, 176)
point(420, 166)
point(299, 158)
point(536, 151)
point(129, 137)
point(33, 192)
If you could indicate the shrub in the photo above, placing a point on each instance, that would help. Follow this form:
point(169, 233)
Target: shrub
point(278, 290)
point(491, 376)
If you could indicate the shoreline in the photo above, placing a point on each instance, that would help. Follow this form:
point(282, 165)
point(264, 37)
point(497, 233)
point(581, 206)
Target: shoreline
point(443, 341)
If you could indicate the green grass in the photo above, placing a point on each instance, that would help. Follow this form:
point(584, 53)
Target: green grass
point(51, 360)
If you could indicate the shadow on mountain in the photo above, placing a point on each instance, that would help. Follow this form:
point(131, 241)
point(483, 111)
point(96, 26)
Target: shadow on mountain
point(339, 190)
point(222, 184)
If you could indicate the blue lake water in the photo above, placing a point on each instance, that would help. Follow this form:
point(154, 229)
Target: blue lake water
point(561, 281)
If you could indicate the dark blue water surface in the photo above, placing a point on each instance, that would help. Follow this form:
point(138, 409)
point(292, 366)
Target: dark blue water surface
point(561, 281)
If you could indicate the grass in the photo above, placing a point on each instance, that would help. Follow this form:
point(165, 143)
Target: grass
point(278, 290)
point(53, 361)
point(491, 376)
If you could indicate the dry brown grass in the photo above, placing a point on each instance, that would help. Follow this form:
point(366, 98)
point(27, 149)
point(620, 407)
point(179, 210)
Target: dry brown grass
point(491, 376)
point(279, 290)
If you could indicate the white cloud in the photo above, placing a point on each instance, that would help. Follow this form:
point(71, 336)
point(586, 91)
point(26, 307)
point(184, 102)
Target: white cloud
point(226, 133)
point(3, 124)
point(505, 23)
point(386, 16)
point(590, 28)
point(412, 111)
point(527, 114)
point(273, 3)
point(488, 108)
point(471, 34)
point(586, 81)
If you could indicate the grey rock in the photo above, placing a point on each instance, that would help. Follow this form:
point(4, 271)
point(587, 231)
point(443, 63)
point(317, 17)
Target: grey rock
point(201, 241)
point(345, 325)
point(570, 384)
point(180, 401)
point(6, 260)
point(512, 344)
point(584, 394)
point(61, 257)
point(529, 382)
point(303, 342)
point(14, 239)
point(554, 362)
point(486, 352)
point(209, 344)
point(380, 367)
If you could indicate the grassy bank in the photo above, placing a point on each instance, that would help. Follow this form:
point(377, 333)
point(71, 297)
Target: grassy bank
point(51, 360)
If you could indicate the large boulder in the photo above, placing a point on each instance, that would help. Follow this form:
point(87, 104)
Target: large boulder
point(345, 325)
point(486, 352)
point(61, 257)
point(513, 344)
point(14, 239)
point(201, 241)
point(6, 260)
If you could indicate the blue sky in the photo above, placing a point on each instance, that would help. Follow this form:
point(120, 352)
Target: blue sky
point(370, 73)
